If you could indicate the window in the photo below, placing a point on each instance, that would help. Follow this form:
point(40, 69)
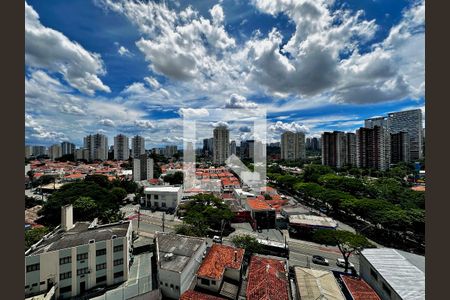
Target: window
point(34, 267)
point(118, 248)
point(42, 282)
point(100, 279)
point(65, 289)
point(205, 281)
point(163, 204)
point(166, 284)
point(34, 284)
point(82, 271)
point(101, 252)
point(177, 287)
point(374, 274)
point(213, 282)
point(82, 256)
point(118, 274)
point(156, 204)
point(27, 287)
point(171, 285)
point(100, 266)
point(386, 289)
point(118, 262)
point(66, 275)
point(155, 197)
point(161, 283)
point(65, 260)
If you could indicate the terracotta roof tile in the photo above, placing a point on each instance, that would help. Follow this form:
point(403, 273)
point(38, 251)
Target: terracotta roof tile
point(359, 289)
point(258, 204)
point(194, 295)
point(219, 258)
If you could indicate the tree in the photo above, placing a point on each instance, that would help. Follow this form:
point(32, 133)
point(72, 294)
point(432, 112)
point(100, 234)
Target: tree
point(85, 209)
point(30, 175)
point(32, 236)
point(247, 242)
point(32, 201)
point(118, 194)
point(175, 178)
point(346, 241)
point(313, 172)
point(101, 180)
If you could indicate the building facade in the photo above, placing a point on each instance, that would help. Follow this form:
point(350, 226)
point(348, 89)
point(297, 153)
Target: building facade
point(121, 147)
point(77, 257)
point(221, 144)
point(334, 149)
point(67, 148)
point(378, 121)
point(97, 147)
point(137, 146)
point(350, 149)
point(400, 151)
point(373, 148)
point(170, 151)
point(293, 145)
point(233, 148)
point(55, 151)
point(162, 196)
point(409, 121)
point(142, 168)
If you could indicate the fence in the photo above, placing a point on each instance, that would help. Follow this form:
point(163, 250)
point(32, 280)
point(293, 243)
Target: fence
point(134, 289)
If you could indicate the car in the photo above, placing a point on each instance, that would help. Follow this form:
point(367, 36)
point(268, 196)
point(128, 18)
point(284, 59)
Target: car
point(217, 239)
point(340, 262)
point(320, 260)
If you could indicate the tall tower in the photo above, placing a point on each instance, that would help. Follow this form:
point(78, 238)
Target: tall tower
point(221, 144)
point(293, 145)
point(409, 121)
point(137, 146)
point(121, 147)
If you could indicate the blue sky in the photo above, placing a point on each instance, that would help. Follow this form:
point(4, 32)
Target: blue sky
point(132, 67)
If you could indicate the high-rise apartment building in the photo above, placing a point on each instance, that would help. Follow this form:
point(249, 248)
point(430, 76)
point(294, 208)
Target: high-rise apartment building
point(97, 147)
point(142, 168)
point(170, 151)
point(334, 149)
point(221, 144)
point(137, 146)
point(315, 144)
point(371, 148)
point(350, 149)
point(39, 150)
point(293, 145)
point(233, 147)
point(55, 151)
point(28, 151)
point(400, 147)
point(121, 147)
point(409, 121)
point(208, 146)
point(67, 148)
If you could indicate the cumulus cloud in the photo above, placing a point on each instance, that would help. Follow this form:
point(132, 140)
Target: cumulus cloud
point(107, 122)
point(50, 49)
point(219, 124)
point(238, 101)
point(280, 127)
point(144, 124)
point(124, 51)
point(152, 82)
point(192, 112)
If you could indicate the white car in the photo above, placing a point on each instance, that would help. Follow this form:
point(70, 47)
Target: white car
point(217, 239)
point(340, 262)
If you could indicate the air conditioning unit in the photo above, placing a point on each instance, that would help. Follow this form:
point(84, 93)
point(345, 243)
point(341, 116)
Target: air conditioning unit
point(113, 236)
point(91, 241)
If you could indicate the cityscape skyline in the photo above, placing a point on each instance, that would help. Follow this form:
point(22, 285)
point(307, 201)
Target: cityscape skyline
point(129, 90)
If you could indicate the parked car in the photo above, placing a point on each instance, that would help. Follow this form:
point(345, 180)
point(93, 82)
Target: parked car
point(340, 262)
point(217, 239)
point(320, 260)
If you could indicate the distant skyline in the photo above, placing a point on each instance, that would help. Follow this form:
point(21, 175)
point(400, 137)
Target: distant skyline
point(127, 67)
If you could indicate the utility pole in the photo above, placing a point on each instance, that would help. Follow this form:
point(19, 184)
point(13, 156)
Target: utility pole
point(139, 216)
point(163, 218)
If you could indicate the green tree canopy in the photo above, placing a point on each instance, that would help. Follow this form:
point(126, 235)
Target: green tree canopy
point(175, 178)
point(33, 235)
point(247, 242)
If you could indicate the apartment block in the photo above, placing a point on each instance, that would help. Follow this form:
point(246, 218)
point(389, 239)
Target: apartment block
point(293, 145)
point(137, 146)
point(221, 144)
point(373, 148)
point(121, 147)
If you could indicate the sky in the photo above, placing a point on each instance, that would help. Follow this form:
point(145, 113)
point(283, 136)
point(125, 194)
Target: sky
point(138, 67)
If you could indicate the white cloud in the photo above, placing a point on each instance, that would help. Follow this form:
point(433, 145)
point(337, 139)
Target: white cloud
point(237, 101)
point(219, 123)
point(107, 122)
point(152, 82)
point(50, 49)
point(124, 51)
point(144, 124)
point(192, 112)
point(280, 127)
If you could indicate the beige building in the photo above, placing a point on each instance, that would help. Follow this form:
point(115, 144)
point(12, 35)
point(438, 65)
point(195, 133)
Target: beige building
point(293, 145)
point(221, 144)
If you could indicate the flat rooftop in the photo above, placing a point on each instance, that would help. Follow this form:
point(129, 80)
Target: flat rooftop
point(312, 221)
point(403, 271)
point(80, 234)
point(162, 189)
point(180, 247)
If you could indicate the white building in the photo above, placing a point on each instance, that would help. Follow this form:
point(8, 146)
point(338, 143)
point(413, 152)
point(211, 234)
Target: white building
point(393, 274)
point(78, 257)
point(221, 144)
point(142, 168)
point(137, 146)
point(28, 151)
point(293, 145)
point(162, 196)
point(55, 151)
point(96, 146)
point(409, 121)
point(121, 147)
point(67, 148)
point(178, 259)
point(233, 147)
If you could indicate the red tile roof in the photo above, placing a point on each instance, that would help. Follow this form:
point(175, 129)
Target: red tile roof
point(258, 204)
point(219, 258)
point(359, 289)
point(194, 295)
point(267, 279)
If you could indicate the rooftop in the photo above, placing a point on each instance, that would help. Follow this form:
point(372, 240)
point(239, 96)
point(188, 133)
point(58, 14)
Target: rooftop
point(267, 279)
point(315, 284)
point(194, 295)
point(162, 188)
point(219, 258)
point(312, 221)
point(80, 234)
point(258, 204)
point(404, 272)
point(359, 289)
point(181, 247)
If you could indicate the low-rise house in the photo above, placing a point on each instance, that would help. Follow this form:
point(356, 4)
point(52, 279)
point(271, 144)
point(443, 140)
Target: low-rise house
point(178, 259)
point(267, 279)
point(303, 222)
point(393, 274)
point(162, 196)
point(78, 257)
point(222, 263)
point(263, 215)
point(313, 284)
point(194, 295)
point(358, 288)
